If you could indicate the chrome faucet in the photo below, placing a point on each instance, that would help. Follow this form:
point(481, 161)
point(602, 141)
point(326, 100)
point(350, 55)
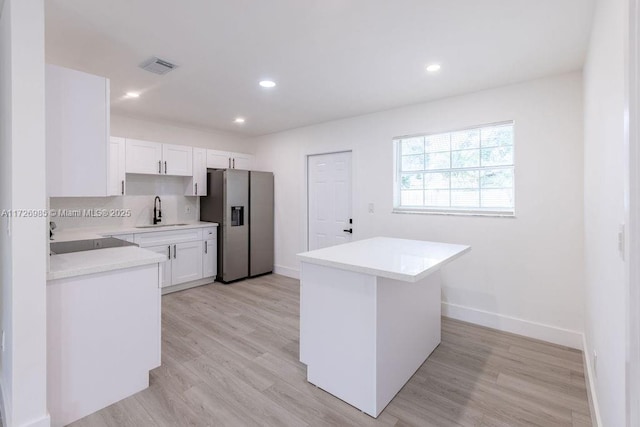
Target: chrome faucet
point(157, 210)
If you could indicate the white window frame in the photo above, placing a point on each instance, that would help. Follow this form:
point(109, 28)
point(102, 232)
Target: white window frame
point(473, 211)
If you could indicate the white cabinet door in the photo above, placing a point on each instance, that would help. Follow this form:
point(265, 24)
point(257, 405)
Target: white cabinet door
point(166, 250)
point(218, 159)
point(198, 185)
point(143, 157)
point(117, 173)
point(242, 161)
point(210, 259)
point(177, 160)
point(77, 133)
point(186, 262)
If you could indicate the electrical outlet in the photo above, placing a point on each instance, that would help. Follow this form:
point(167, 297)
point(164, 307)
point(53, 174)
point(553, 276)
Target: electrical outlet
point(595, 363)
point(187, 209)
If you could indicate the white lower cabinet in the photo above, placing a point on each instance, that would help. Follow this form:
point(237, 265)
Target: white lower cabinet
point(166, 266)
point(209, 258)
point(191, 254)
point(186, 262)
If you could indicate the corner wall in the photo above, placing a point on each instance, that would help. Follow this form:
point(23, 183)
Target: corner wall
point(23, 248)
point(604, 209)
point(524, 274)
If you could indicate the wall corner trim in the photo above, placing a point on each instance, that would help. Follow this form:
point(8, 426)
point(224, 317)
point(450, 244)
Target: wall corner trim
point(514, 325)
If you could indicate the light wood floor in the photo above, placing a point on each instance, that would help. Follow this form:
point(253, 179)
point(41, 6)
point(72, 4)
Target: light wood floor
point(230, 358)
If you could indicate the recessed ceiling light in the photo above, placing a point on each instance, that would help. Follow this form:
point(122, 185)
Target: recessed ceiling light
point(133, 95)
point(433, 68)
point(267, 83)
point(239, 120)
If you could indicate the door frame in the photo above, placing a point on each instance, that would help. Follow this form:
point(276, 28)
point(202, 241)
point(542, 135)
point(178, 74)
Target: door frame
point(632, 196)
point(305, 235)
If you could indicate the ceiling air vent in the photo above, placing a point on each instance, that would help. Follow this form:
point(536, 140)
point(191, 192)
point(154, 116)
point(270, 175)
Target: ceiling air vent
point(158, 66)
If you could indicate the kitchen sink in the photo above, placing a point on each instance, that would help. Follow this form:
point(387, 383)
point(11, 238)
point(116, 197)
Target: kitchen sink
point(159, 225)
point(58, 248)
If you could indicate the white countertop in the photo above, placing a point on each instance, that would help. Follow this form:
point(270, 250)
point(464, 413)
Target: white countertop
point(70, 234)
point(100, 260)
point(399, 259)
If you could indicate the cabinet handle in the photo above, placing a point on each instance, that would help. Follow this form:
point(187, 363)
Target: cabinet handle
point(234, 163)
point(229, 162)
point(159, 166)
point(169, 248)
point(206, 245)
point(165, 167)
point(174, 251)
point(196, 188)
point(123, 187)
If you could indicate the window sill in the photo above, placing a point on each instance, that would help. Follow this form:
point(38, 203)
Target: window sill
point(495, 214)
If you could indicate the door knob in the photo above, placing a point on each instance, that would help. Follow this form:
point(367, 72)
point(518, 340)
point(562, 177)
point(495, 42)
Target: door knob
point(349, 230)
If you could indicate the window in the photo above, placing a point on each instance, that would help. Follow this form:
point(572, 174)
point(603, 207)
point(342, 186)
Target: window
point(467, 171)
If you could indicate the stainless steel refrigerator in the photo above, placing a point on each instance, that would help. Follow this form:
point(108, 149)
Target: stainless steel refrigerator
point(242, 203)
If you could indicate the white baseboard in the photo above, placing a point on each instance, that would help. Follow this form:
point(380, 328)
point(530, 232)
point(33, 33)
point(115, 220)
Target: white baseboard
point(44, 421)
point(287, 271)
point(589, 377)
point(188, 285)
point(4, 405)
point(514, 325)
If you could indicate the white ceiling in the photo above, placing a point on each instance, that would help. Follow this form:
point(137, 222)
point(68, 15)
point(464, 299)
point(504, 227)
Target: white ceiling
point(330, 58)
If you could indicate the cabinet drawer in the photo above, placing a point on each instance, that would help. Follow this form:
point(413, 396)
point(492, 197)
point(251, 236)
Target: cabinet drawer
point(209, 233)
point(167, 237)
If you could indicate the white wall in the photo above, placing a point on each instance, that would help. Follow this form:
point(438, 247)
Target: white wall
point(529, 268)
point(604, 207)
point(23, 240)
point(130, 127)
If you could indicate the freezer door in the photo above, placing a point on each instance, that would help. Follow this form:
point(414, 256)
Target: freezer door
point(235, 235)
point(261, 223)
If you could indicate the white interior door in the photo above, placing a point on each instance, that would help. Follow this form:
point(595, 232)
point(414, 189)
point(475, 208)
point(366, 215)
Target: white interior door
point(329, 199)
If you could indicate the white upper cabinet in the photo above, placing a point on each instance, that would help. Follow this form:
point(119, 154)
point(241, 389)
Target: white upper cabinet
point(155, 158)
point(144, 157)
point(177, 160)
point(228, 160)
point(117, 175)
point(218, 159)
point(198, 186)
point(77, 133)
point(242, 161)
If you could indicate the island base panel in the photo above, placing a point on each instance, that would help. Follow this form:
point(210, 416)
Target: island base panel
point(361, 336)
point(103, 338)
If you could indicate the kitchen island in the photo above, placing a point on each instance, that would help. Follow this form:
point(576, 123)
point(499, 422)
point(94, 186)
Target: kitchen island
point(103, 328)
point(370, 315)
